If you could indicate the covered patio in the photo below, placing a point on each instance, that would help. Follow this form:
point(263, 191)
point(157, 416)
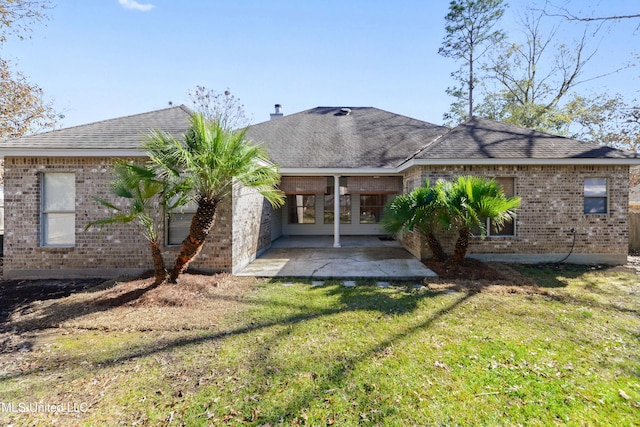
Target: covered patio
point(357, 257)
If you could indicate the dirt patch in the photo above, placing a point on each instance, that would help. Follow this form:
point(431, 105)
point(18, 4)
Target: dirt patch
point(138, 305)
point(470, 269)
point(19, 294)
point(135, 305)
point(143, 293)
point(477, 276)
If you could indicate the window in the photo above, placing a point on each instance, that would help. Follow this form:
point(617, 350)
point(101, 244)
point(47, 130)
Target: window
point(302, 209)
point(371, 207)
point(58, 216)
point(508, 228)
point(179, 222)
point(345, 209)
point(345, 202)
point(595, 196)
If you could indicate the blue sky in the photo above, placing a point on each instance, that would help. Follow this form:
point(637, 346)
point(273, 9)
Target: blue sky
point(102, 59)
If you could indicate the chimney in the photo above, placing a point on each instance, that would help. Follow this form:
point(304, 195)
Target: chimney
point(277, 113)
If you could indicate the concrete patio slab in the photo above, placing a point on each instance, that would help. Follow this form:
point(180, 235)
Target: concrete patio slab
point(385, 260)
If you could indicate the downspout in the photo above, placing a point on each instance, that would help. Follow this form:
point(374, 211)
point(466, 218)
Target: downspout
point(336, 211)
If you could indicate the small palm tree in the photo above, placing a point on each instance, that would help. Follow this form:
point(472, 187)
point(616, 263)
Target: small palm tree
point(419, 211)
point(469, 201)
point(145, 195)
point(205, 165)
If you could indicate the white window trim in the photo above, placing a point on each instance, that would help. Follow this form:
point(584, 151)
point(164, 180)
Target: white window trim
point(44, 212)
point(185, 209)
point(332, 207)
point(381, 206)
point(502, 236)
point(607, 196)
point(300, 208)
point(515, 223)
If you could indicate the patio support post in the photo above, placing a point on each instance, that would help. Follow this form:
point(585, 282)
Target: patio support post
point(336, 211)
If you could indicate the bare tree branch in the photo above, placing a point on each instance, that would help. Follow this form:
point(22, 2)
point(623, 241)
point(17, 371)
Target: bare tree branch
point(223, 107)
point(570, 17)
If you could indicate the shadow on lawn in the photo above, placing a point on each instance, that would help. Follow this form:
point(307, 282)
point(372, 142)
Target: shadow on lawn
point(57, 313)
point(392, 301)
point(19, 294)
point(361, 298)
point(553, 275)
point(339, 375)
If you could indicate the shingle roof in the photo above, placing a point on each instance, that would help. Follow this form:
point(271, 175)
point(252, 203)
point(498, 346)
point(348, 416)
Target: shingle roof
point(324, 137)
point(479, 138)
point(120, 133)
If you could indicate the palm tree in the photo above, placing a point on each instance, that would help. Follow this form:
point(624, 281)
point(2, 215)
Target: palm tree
point(206, 164)
point(470, 201)
point(146, 195)
point(418, 210)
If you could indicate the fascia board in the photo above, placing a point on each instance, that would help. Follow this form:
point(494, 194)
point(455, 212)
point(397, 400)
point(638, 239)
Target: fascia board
point(70, 152)
point(516, 162)
point(338, 171)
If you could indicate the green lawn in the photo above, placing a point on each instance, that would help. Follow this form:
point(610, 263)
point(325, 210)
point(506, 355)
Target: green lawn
point(302, 355)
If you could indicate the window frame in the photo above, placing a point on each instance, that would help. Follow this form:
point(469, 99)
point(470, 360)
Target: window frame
point(295, 206)
point(47, 213)
point(593, 197)
point(385, 200)
point(488, 226)
point(345, 209)
point(346, 203)
point(186, 209)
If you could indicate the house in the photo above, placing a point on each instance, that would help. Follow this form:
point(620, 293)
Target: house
point(634, 213)
point(345, 162)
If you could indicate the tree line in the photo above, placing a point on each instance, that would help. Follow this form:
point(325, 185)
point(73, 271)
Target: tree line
point(532, 82)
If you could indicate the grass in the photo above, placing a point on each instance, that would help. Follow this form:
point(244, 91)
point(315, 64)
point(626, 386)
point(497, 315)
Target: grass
point(329, 355)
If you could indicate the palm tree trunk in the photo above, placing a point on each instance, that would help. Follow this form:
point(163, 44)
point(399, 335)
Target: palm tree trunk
point(462, 243)
point(436, 247)
point(158, 263)
point(201, 225)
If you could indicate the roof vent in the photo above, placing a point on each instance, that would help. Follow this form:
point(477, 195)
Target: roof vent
point(345, 111)
point(277, 113)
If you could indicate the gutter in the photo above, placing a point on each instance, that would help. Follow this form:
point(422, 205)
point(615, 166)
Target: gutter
point(71, 152)
point(515, 162)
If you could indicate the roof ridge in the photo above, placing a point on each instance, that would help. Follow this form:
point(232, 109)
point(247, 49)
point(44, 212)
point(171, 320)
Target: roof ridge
point(287, 116)
point(425, 146)
point(183, 108)
point(517, 126)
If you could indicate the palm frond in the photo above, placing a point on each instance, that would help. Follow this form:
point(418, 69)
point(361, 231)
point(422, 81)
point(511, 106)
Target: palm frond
point(210, 159)
point(106, 203)
point(115, 219)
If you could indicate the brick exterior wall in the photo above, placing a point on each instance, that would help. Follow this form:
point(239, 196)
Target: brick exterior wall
point(252, 215)
point(115, 250)
point(552, 205)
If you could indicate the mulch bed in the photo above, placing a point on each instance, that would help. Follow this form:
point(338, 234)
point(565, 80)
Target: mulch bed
point(471, 275)
point(470, 269)
point(476, 276)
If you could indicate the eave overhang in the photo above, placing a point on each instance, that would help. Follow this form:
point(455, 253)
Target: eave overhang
point(516, 162)
point(339, 171)
point(398, 170)
point(71, 152)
